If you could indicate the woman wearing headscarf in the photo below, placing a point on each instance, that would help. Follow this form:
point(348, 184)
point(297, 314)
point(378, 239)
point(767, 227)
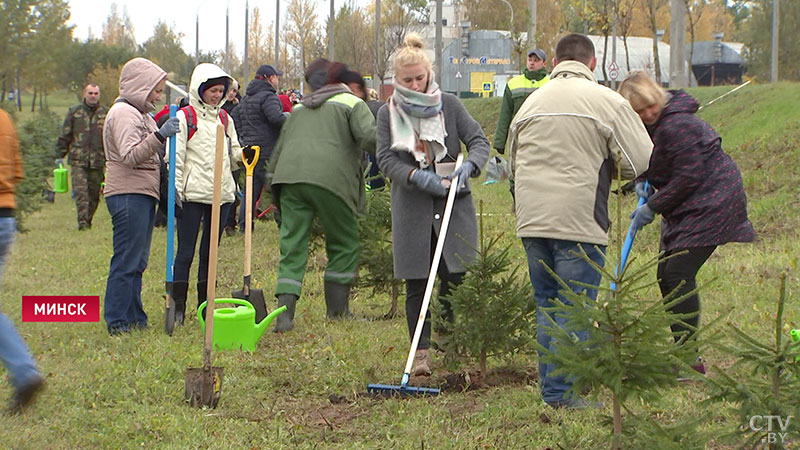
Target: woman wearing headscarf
point(698, 192)
point(194, 176)
point(420, 131)
point(132, 144)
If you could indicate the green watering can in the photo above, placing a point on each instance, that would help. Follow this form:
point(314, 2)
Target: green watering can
point(60, 180)
point(236, 328)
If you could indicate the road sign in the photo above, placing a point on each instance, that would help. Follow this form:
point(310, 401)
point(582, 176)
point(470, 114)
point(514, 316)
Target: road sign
point(458, 74)
point(367, 78)
point(487, 87)
point(613, 66)
point(613, 74)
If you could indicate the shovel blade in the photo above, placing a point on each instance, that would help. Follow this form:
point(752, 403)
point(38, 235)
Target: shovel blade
point(256, 298)
point(203, 386)
point(169, 316)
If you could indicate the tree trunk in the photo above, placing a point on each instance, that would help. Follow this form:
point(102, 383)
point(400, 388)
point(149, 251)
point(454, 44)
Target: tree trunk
point(654, 29)
point(605, 52)
point(395, 296)
point(33, 101)
point(617, 422)
point(627, 53)
point(482, 367)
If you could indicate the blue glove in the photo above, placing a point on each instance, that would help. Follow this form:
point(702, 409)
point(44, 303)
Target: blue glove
point(641, 217)
point(642, 192)
point(429, 182)
point(465, 171)
point(170, 128)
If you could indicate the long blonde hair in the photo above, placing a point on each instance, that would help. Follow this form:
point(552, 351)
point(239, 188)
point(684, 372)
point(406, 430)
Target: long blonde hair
point(642, 91)
point(411, 53)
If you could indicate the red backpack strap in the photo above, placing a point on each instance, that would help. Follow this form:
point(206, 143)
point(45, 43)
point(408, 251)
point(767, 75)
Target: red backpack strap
point(161, 113)
point(223, 116)
point(191, 121)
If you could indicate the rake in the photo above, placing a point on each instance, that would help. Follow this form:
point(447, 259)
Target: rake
point(404, 390)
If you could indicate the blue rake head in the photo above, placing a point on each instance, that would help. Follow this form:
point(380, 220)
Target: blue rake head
point(388, 390)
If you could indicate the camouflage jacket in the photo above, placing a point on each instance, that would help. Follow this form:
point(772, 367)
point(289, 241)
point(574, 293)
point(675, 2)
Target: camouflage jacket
point(82, 136)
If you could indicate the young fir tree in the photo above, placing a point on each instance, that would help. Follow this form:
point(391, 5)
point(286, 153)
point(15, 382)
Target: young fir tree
point(630, 350)
point(36, 137)
point(769, 387)
point(493, 311)
point(376, 261)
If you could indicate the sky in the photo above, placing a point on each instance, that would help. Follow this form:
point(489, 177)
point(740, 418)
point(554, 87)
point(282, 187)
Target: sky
point(90, 15)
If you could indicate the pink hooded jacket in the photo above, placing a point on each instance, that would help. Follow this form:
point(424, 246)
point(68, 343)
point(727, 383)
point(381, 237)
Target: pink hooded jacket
point(129, 140)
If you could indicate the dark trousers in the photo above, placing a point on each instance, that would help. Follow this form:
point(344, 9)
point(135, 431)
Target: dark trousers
point(683, 268)
point(259, 180)
point(415, 292)
point(192, 216)
point(230, 218)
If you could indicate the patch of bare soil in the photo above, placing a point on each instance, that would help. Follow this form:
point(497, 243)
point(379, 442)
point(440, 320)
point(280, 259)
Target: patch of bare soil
point(471, 380)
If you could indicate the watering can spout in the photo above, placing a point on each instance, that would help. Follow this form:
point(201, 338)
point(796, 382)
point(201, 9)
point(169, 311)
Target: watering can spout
point(261, 327)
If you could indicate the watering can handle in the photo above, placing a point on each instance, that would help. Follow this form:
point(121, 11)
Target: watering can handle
point(233, 301)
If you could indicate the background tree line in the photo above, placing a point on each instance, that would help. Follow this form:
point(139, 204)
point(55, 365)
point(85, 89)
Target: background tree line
point(40, 54)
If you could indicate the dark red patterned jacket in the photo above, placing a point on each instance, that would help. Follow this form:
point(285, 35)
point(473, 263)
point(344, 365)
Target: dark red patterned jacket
point(699, 187)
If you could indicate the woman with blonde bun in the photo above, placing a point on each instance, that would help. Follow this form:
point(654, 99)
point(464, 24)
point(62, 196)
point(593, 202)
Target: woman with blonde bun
point(420, 131)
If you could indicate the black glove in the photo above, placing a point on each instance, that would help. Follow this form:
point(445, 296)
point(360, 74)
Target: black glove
point(178, 205)
point(249, 154)
point(170, 128)
point(429, 182)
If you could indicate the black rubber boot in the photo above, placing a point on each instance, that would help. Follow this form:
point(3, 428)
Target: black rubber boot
point(337, 300)
point(202, 295)
point(285, 321)
point(179, 292)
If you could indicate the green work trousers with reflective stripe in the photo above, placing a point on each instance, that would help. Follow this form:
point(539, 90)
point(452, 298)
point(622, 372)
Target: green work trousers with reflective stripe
point(299, 205)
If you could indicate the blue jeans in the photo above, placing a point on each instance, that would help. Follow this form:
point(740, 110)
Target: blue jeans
point(132, 217)
point(560, 257)
point(259, 180)
point(13, 351)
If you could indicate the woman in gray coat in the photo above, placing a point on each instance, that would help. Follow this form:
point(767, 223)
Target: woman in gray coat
point(420, 131)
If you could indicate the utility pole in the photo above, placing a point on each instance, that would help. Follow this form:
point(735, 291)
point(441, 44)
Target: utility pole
point(614, 47)
point(277, 28)
point(331, 54)
point(246, 26)
point(776, 22)
point(197, 37)
point(438, 44)
point(227, 42)
point(378, 52)
point(532, 25)
point(678, 78)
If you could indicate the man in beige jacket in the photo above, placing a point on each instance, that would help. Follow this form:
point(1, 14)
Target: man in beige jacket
point(567, 142)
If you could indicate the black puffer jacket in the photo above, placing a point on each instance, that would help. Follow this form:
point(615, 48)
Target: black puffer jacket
point(259, 117)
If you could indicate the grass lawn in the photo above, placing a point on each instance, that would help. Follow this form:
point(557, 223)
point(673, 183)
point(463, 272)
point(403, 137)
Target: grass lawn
point(306, 389)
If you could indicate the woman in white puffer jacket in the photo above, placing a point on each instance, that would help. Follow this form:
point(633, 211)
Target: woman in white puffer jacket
point(194, 175)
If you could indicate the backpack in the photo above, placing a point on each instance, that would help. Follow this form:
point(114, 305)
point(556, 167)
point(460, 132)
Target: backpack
point(191, 118)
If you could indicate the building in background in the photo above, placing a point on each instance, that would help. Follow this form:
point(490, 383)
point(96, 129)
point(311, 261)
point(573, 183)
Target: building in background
point(717, 62)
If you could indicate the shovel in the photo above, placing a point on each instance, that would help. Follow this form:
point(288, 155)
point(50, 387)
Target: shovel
point(204, 384)
point(254, 296)
point(169, 312)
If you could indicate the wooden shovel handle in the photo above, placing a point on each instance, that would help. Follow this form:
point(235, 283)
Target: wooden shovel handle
point(213, 245)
